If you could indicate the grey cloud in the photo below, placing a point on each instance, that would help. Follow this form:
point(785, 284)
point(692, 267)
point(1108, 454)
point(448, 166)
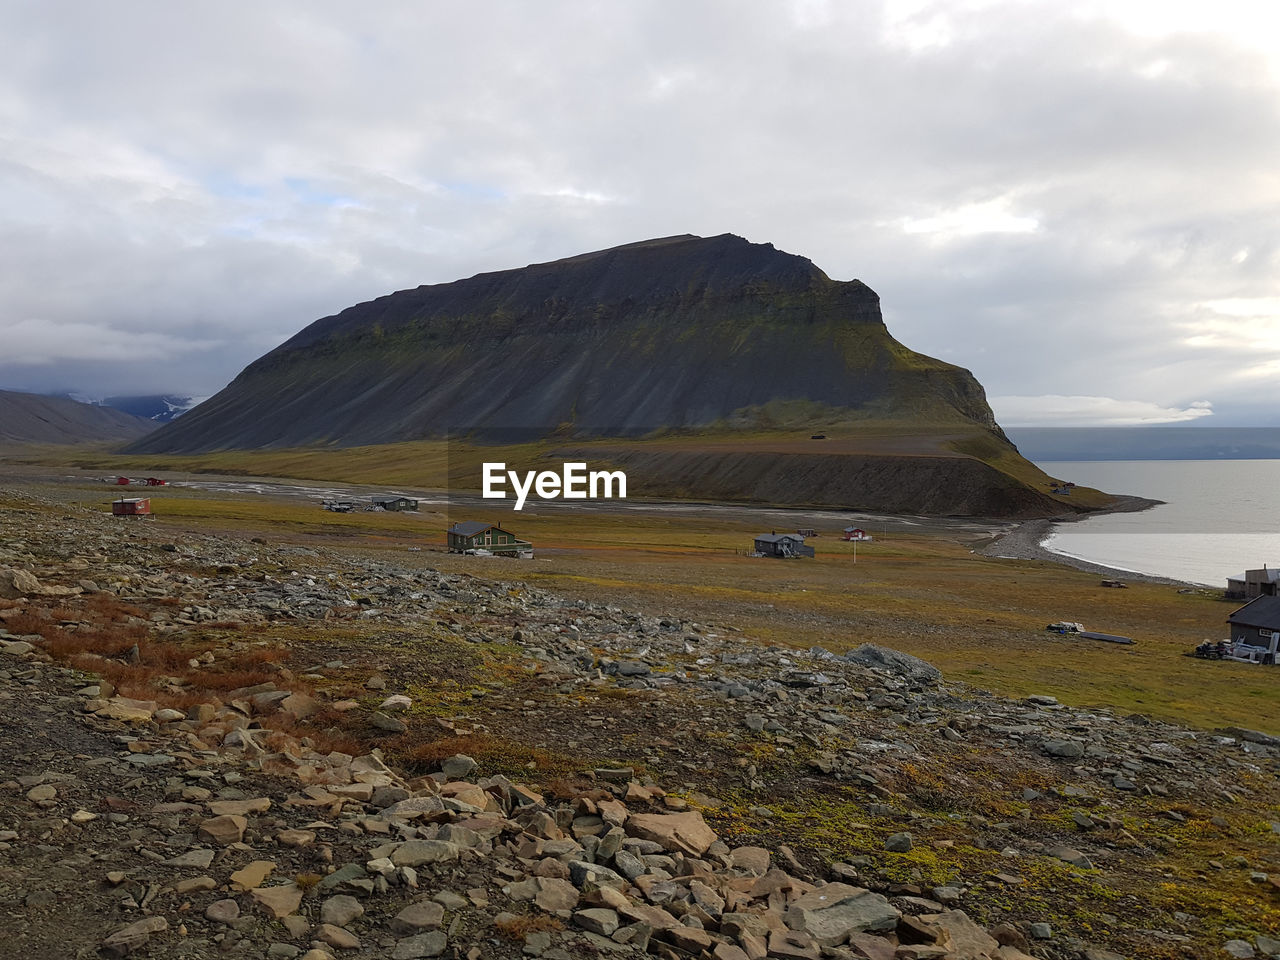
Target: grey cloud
point(215, 177)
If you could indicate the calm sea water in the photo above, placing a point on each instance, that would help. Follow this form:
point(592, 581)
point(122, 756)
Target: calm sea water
point(1220, 517)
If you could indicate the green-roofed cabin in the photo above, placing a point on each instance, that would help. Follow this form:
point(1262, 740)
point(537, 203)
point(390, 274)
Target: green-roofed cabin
point(472, 535)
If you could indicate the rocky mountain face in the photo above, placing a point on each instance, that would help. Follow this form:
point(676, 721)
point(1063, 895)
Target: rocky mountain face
point(681, 332)
point(34, 418)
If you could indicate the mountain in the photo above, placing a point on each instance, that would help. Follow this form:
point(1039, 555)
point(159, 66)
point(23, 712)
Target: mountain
point(33, 418)
point(708, 367)
point(681, 332)
point(158, 409)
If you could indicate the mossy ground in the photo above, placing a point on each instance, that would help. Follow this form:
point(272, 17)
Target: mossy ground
point(919, 588)
point(778, 429)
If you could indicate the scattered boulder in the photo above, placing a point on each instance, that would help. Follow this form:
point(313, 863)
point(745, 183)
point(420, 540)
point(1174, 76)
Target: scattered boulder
point(899, 843)
point(686, 832)
point(430, 944)
point(830, 913)
point(133, 937)
point(458, 767)
point(247, 878)
point(15, 584)
point(1066, 749)
point(222, 911)
point(340, 910)
point(895, 662)
point(278, 901)
point(128, 710)
point(415, 853)
point(424, 915)
point(223, 830)
point(1070, 855)
point(966, 937)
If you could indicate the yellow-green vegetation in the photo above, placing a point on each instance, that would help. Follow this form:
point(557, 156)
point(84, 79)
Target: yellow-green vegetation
point(918, 589)
point(423, 464)
point(835, 824)
point(978, 619)
point(780, 428)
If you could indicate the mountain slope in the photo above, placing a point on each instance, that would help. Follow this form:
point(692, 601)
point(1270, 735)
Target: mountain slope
point(33, 418)
point(682, 332)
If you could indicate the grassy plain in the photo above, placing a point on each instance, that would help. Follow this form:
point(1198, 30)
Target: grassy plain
point(917, 587)
point(456, 464)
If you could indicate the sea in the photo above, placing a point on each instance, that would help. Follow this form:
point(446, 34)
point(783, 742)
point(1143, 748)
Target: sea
point(1219, 518)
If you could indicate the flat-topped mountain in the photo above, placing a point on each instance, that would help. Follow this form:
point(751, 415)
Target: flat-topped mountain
point(704, 366)
point(35, 418)
point(677, 333)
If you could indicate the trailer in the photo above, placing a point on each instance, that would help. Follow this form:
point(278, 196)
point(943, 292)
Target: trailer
point(1104, 637)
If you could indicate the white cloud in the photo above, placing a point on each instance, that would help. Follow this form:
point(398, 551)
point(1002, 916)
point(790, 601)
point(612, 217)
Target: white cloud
point(1079, 411)
point(1253, 307)
point(1023, 182)
point(972, 219)
point(1247, 329)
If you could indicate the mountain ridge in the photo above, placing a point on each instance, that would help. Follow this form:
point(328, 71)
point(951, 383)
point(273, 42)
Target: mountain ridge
point(37, 418)
point(677, 332)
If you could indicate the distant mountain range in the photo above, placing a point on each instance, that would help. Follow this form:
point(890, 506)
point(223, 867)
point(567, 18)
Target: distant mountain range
point(34, 418)
point(158, 408)
point(1147, 443)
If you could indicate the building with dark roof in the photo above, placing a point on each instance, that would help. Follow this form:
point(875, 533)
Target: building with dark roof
point(1257, 625)
point(471, 535)
point(782, 545)
point(395, 503)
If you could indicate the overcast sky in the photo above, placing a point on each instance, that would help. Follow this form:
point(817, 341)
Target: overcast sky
point(1079, 202)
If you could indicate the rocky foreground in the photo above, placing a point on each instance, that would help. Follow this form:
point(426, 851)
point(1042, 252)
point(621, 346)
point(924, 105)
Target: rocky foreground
point(214, 746)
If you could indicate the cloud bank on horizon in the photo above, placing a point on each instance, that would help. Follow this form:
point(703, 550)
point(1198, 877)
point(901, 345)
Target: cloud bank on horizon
point(1075, 201)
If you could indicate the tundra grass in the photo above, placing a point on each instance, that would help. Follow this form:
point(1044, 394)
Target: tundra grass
point(456, 465)
point(978, 619)
point(981, 620)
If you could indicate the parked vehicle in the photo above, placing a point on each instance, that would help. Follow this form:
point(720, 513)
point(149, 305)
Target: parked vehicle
point(1214, 650)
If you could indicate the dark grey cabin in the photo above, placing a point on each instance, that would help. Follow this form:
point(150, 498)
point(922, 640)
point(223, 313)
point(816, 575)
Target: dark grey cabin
point(1257, 624)
point(395, 503)
point(782, 545)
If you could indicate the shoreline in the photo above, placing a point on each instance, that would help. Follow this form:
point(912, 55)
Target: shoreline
point(1025, 542)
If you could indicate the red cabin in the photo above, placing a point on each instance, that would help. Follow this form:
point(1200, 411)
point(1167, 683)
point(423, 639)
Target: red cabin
point(133, 507)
